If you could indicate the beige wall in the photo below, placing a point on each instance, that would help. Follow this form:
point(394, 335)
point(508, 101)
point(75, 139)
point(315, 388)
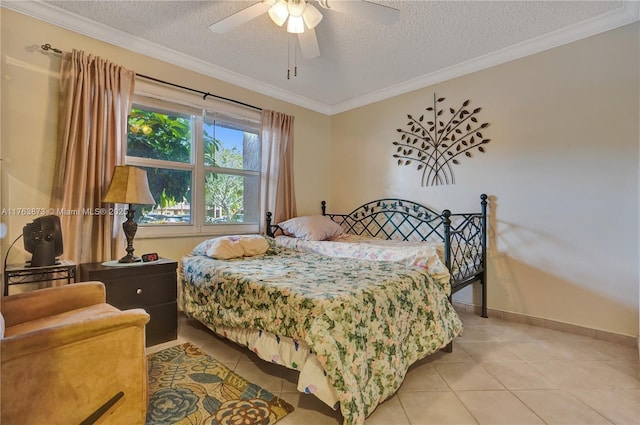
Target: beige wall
point(29, 123)
point(561, 170)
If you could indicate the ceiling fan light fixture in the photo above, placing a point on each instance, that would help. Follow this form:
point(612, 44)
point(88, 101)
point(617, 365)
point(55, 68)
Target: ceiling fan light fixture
point(279, 12)
point(296, 7)
point(312, 16)
point(295, 24)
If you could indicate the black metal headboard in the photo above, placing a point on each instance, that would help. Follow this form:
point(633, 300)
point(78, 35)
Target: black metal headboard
point(272, 230)
point(396, 219)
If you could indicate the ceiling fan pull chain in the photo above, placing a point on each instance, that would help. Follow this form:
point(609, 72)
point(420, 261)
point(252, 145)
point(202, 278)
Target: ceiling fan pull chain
point(288, 57)
point(291, 46)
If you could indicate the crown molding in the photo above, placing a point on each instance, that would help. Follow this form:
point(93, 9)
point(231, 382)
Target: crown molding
point(628, 13)
point(59, 17)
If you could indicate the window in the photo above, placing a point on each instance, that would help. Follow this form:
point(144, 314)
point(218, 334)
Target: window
point(203, 167)
point(232, 171)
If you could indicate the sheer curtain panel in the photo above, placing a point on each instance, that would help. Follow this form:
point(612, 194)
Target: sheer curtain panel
point(95, 98)
point(278, 195)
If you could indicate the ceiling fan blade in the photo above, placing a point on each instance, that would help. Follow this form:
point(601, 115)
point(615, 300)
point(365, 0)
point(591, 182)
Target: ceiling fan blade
point(309, 44)
point(239, 18)
point(372, 11)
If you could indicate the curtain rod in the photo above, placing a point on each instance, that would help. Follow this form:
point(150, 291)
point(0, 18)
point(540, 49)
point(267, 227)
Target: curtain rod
point(204, 94)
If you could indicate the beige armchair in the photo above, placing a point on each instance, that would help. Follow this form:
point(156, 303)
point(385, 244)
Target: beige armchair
point(66, 353)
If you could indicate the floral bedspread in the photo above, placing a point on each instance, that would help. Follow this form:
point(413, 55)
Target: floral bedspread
point(426, 255)
point(365, 321)
point(288, 352)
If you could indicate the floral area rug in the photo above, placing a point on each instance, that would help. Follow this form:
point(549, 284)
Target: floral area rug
point(189, 387)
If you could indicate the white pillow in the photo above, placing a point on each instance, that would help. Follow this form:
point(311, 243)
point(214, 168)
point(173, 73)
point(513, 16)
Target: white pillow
point(1, 326)
point(254, 245)
point(312, 227)
point(235, 246)
point(225, 248)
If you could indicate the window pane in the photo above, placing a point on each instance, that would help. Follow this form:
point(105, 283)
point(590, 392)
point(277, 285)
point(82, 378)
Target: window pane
point(229, 145)
point(171, 189)
point(231, 198)
point(157, 134)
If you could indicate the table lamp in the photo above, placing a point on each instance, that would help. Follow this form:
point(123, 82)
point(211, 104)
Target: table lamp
point(129, 185)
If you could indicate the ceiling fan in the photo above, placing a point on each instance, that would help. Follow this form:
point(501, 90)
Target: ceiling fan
point(303, 17)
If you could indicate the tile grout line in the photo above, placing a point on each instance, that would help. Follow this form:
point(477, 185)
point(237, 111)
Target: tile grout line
point(454, 391)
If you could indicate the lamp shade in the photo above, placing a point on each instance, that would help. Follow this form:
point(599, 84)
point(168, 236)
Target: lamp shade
point(279, 12)
point(129, 185)
point(312, 16)
point(295, 24)
point(296, 7)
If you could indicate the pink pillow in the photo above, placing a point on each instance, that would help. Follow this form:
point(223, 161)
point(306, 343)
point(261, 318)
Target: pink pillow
point(312, 227)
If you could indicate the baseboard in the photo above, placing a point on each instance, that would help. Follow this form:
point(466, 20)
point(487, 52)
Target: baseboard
point(627, 340)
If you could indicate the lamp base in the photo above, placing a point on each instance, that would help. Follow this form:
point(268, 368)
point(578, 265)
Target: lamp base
point(130, 227)
point(130, 259)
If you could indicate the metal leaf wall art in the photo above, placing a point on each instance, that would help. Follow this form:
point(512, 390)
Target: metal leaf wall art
point(434, 142)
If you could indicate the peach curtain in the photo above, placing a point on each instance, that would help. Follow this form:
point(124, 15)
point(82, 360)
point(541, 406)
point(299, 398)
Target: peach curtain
point(277, 192)
point(95, 99)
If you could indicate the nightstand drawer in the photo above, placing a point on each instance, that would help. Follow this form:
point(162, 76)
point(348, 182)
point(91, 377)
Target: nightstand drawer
point(142, 291)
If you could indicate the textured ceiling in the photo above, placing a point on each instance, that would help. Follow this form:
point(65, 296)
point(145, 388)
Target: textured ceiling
point(360, 60)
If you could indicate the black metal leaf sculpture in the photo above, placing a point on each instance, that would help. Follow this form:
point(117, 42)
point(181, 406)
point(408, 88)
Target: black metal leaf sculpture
point(442, 141)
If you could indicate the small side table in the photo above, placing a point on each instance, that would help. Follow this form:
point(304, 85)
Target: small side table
point(20, 274)
point(152, 286)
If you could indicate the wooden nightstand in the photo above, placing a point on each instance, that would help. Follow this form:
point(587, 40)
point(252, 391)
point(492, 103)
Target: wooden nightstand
point(152, 286)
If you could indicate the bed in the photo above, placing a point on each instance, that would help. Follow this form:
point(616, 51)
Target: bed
point(350, 326)
point(401, 230)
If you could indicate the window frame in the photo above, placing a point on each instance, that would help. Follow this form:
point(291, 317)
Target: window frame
point(162, 97)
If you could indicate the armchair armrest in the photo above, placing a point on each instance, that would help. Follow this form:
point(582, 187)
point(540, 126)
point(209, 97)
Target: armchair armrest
point(28, 306)
point(49, 338)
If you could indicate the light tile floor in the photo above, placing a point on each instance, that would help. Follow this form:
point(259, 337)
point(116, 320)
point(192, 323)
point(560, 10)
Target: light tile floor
point(499, 372)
